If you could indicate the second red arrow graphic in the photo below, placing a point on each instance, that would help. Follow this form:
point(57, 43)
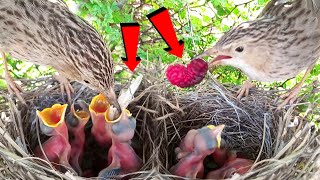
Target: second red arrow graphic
point(162, 22)
point(130, 35)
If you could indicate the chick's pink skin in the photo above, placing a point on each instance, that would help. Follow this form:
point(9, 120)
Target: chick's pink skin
point(187, 144)
point(57, 147)
point(237, 165)
point(100, 128)
point(77, 144)
point(191, 166)
point(194, 148)
point(220, 156)
point(121, 155)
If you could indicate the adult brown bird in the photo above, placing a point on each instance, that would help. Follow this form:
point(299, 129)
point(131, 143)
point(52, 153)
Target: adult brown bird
point(279, 44)
point(47, 33)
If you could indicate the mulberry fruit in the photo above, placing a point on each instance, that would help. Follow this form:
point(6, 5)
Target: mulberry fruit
point(191, 75)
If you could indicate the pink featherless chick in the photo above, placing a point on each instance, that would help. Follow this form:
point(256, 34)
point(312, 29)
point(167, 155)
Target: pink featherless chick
point(122, 158)
point(232, 166)
point(76, 120)
point(99, 110)
point(194, 148)
point(57, 148)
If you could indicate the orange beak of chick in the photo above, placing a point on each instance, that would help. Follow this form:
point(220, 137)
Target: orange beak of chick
point(100, 112)
point(81, 115)
point(56, 148)
point(54, 116)
point(99, 104)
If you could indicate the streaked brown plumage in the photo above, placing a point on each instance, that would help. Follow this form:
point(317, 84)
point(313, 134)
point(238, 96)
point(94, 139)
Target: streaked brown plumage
point(45, 32)
point(279, 44)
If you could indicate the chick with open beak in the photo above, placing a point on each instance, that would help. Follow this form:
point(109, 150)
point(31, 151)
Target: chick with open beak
point(122, 158)
point(57, 148)
point(77, 119)
point(194, 148)
point(100, 113)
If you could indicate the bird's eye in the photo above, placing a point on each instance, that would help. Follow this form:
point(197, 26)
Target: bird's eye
point(239, 49)
point(86, 81)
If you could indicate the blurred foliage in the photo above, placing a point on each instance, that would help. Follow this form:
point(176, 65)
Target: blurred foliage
point(199, 23)
point(22, 70)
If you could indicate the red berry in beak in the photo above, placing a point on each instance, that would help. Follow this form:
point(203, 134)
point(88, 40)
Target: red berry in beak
point(191, 75)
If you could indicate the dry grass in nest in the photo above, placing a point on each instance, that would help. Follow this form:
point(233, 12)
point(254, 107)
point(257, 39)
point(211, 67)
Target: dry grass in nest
point(164, 115)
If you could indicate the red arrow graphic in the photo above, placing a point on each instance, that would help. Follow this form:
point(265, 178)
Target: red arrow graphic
point(130, 36)
point(162, 22)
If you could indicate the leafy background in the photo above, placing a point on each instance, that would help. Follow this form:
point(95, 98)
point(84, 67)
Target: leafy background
point(199, 23)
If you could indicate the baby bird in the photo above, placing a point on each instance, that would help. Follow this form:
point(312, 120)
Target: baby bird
point(194, 148)
point(57, 148)
point(232, 166)
point(99, 110)
point(283, 41)
point(76, 120)
point(122, 158)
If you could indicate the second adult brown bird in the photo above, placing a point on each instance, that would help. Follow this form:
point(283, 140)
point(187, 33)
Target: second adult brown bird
point(279, 44)
point(47, 33)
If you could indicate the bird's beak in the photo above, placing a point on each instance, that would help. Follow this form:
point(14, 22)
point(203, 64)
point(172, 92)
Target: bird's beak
point(113, 101)
point(209, 52)
point(213, 52)
point(99, 109)
point(79, 115)
point(82, 114)
point(123, 128)
point(216, 132)
point(99, 105)
point(54, 116)
point(56, 148)
point(126, 114)
point(83, 105)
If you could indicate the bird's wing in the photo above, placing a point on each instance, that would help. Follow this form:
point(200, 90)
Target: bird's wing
point(272, 8)
point(62, 3)
point(276, 7)
point(315, 4)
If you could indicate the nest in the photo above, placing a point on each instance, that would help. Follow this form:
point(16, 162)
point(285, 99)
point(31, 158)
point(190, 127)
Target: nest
point(283, 144)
